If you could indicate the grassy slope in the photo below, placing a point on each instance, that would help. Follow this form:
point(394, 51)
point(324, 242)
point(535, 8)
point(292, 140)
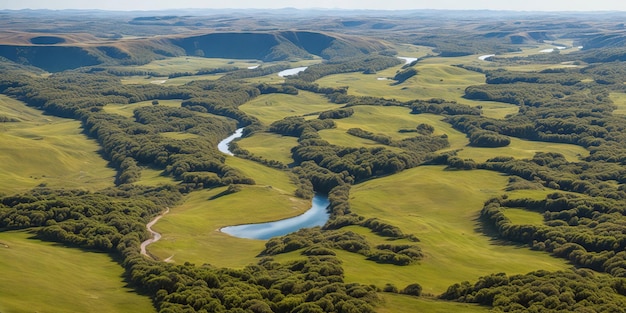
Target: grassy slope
point(619, 99)
point(128, 109)
point(47, 150)
point(191, 230)
point(373, 119)
point(270, 146)
point(41, 276)
point(274, 107)
point(419, 201)
point(523, 217)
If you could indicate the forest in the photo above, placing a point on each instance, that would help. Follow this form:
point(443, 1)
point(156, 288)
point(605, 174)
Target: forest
point(355, 117)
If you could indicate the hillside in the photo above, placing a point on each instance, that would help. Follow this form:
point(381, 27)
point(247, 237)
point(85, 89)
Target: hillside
point(61, 52)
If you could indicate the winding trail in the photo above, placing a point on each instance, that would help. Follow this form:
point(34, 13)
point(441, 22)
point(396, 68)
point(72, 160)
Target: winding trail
point(155, 236)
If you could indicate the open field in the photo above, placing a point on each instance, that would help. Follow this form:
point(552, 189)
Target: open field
point(375, 119)
point(39, 276)
point(47, 150)
point(128, 109)
point(619, 99)
point(264, 175)
point(395, 303)
point(523, 216)
point(436, 78)
point(524, 149)
point(274, 107)
point(154, 177)
point(419, 201)
point(191, 231)
point(270, 146)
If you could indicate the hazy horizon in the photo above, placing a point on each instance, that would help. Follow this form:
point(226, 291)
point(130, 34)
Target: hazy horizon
point(119, 5)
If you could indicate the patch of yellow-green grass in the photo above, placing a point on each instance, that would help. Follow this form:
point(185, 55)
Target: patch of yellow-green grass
point(534, 194)
point(493, 109)
point(154, 177)
point(356, 265)
point(619, 99)
point(397, 303)
point(436, 78)
point(274, 107)
point(524, 149)
point(39, 276)
point(179, 135)
point(523, 217)
point(441, 208)
point(263, 175)
point(270, 146)
point(413, 51)
point(47, 150)
point(127, 110)
point(388, 121)
point(190, 232)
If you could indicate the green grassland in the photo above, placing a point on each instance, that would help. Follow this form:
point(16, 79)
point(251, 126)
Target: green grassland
point(270, 146)
point(420, 201)
point(191, 230)
point(524, 149)
point(154, 177)
point(436, 78)
point(47, 150)
point(40, 276)
point(440, 207)
point(128, 109)
point(523, 216)
point(375, 119)
point(274, 107)
point(395, 303)
point(263, 175)
point(619, 99)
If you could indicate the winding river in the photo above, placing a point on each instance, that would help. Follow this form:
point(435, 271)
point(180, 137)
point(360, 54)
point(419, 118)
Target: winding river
point(315, 216)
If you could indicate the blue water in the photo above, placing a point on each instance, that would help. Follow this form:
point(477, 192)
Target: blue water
point(315, 216)
point(223, 145)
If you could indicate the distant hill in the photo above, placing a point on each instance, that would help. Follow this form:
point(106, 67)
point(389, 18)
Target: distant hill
point(60, 52)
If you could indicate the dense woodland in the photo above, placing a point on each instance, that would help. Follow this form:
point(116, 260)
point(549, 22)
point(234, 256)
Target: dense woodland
point(583, 219)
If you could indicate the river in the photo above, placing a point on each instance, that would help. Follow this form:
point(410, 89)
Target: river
point(223, 145)
point(292, 71)
point(315, 216)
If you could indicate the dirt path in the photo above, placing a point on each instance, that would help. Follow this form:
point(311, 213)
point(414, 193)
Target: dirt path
point(155, 236)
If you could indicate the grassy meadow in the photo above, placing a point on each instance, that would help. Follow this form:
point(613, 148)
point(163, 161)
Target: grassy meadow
point(419, 201)
point(523, 216)
point(128, 109)
point(619, 99)
point(270, 146)
point(273, 107)
point(440, 207)
point(39, 276)
point(47, 150)
point(191, 231)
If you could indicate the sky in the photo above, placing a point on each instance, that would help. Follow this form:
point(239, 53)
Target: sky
point(518, 5)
